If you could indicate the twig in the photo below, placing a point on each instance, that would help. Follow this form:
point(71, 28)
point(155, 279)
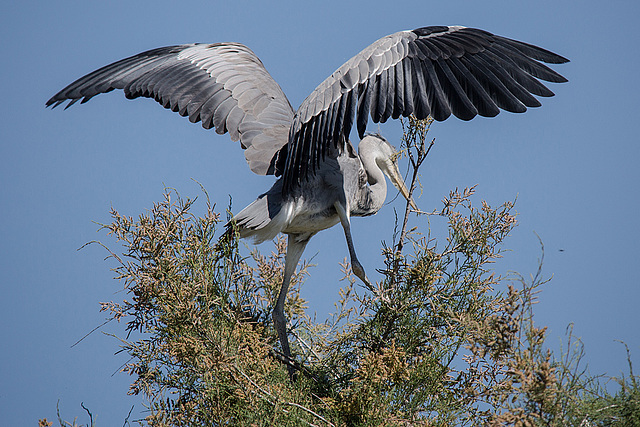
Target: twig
point(253, 383)
point(309, 411)
point(88, 412)
point(586, 422)
point(91, 331)
point(417, 131)
point(304, 344)
point(126, 420)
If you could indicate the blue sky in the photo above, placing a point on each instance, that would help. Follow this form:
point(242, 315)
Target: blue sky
point(572, 165)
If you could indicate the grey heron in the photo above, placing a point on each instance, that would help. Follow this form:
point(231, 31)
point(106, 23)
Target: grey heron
point(432, 71)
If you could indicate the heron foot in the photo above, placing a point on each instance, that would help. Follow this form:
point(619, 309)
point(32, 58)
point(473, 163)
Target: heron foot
point(358, 270)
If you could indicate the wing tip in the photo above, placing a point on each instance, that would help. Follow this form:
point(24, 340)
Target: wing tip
point(53, 102)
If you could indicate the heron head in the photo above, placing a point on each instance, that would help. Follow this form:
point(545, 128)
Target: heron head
point(387, 160)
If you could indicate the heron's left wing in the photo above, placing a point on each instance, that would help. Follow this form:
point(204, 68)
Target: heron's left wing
point(224, 85)
point(435, 71)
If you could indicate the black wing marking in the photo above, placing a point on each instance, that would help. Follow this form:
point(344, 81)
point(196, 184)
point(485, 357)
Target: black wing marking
point(435, 71)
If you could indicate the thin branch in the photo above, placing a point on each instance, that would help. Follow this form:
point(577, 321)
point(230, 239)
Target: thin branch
point(267, 393)
point(88, 412)
point(309, 411)
point(126, 420)
point(92, 331)
point(415, 140)
point(293, 332)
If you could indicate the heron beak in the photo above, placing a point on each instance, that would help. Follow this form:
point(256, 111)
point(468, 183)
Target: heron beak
point(398, 182)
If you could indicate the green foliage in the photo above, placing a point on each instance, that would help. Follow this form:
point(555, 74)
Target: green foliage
point(441, 340)
point(200, 315)
point(595, 405)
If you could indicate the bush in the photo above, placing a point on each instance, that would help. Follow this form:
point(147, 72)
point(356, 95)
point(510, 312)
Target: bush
point(441, 340)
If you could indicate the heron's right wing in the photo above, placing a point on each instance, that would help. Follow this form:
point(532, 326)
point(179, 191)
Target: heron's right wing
point(224, 85)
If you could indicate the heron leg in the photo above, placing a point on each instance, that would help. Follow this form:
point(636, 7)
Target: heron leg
point(294, 252)
point(357, 268)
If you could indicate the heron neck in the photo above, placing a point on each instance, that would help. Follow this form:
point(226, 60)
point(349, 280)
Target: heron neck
point(375, 177)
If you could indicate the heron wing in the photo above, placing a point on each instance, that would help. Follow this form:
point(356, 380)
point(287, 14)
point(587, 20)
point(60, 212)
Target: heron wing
point(435, 71)
point(223, 85)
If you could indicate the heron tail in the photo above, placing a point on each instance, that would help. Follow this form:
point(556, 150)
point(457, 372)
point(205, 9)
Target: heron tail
point(264, 218)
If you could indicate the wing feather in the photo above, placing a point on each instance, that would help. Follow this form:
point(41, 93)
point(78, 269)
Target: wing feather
point(223, 85)
point(398, 100)
point(435, 71)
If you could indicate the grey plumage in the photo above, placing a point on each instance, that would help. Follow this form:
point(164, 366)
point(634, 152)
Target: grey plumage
point(223, 85)
point(436, 71)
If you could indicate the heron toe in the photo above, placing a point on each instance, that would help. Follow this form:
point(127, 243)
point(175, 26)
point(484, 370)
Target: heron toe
point(358, 270)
